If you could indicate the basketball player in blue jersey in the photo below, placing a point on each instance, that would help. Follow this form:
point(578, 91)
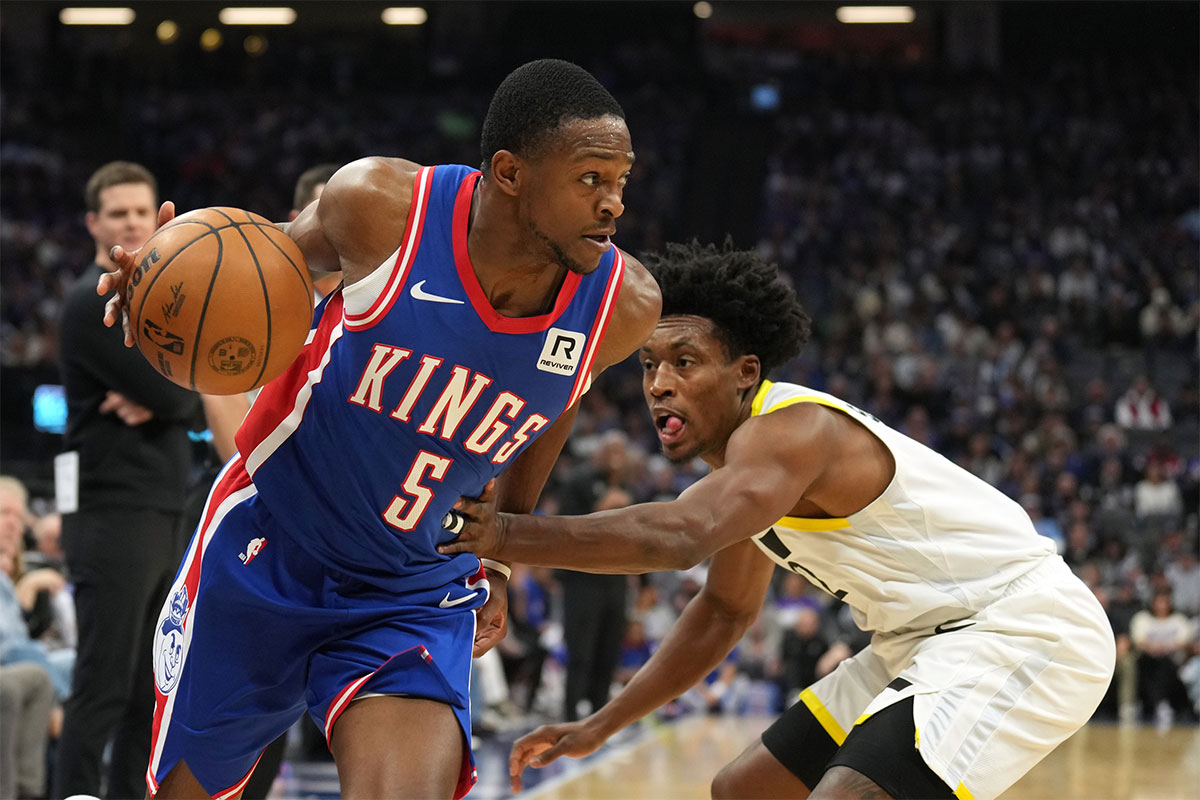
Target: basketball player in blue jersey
point(476, 308)
point(987, 652)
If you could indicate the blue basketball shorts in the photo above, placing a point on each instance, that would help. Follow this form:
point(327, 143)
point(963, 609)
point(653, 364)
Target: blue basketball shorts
point(255, 631)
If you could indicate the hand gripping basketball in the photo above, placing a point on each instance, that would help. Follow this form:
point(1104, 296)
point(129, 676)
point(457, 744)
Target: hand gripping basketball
point(117, 282)
point(218, 300)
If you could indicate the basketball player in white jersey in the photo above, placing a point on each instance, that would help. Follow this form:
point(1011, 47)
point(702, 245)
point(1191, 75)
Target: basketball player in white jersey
point(987, 651)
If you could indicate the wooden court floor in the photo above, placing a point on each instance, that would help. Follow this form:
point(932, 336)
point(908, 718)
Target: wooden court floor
point(1101, 762)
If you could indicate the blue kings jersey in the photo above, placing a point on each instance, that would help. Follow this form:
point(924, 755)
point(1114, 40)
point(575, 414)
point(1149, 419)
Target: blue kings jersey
point(411, 391)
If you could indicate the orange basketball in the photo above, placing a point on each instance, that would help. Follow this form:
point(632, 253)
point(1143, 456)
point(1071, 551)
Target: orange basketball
point(221, 300)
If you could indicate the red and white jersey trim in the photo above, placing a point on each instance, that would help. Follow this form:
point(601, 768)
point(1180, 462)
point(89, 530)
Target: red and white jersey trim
point(231, 487)
point(281, 404)
point(583, 378)
point(367, 301)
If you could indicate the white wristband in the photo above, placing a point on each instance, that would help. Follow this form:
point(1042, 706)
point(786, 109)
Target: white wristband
point(496, 566)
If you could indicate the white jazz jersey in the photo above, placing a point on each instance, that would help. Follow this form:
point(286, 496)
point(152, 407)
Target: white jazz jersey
point(939, 544)
point(1003, 650)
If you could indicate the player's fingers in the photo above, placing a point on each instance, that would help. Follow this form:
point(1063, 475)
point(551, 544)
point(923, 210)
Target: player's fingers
point(490, 630)
point(166, 212)
point(551, 755)
point(485, 640)
point(124, 259)
point(529, 747)
point(127, 326)
point(489, 492)
point(107, 283)
point(112, 310)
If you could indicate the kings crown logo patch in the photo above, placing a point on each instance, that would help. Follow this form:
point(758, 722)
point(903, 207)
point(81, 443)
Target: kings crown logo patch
point(169, 642)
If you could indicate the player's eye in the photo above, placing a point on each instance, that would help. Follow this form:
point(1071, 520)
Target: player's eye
point(591, 179)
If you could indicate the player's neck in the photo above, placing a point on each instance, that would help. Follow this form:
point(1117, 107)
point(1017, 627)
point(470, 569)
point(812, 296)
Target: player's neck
point(517, 280)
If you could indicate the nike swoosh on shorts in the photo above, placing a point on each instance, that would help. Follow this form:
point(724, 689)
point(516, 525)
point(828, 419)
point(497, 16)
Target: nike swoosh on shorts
point(420, 294)
point(446, 602)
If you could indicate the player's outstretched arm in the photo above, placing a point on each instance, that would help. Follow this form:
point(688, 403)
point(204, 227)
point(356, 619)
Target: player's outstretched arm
point(709, 627)
point(771, 461)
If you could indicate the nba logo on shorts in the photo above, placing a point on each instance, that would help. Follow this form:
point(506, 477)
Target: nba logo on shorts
point(561, 351)
point(168, 643)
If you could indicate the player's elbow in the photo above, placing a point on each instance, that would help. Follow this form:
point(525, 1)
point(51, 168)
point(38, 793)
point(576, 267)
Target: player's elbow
point(686, 549)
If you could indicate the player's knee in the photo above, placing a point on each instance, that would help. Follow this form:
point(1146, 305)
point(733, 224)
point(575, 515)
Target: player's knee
point(729, 783)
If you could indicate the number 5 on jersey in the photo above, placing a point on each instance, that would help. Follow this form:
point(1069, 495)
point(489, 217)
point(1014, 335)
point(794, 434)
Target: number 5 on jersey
point(405, 513)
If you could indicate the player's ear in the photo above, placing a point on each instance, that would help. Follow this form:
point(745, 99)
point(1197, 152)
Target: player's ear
point(90, 219)
point(505, 168)
point(749, 371)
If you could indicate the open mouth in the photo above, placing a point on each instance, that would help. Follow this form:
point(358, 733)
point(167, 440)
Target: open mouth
point(601, 241)
point(670, 426)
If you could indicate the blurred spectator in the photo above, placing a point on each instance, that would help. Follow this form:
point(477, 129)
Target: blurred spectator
point(524, 650)
point(1142, 408)
point(26, 597)
point(594, 605)
point(1121, 608)
point(801, 651)
point(1183, 573)
point(1156, 495)
point(1162, 637)
point(636, 650)
point(26, 703)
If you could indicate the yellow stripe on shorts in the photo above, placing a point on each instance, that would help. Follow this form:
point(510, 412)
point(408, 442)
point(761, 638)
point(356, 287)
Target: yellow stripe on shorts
point(823, 716)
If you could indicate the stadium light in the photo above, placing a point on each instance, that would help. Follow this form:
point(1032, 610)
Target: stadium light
point(167, 31)
point(210, 40)
point(875, 14)
point(257, 16)
point(702, 9)
point(398, 15)
point(96, 16)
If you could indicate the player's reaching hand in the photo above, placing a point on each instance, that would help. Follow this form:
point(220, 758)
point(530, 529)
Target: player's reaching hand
point(482, 530)
point(118, 281)
point(547, 743)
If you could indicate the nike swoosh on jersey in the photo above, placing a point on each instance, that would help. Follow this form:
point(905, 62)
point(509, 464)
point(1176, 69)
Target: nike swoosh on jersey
point(446, 602)
point(943, 629)
point(420, 294)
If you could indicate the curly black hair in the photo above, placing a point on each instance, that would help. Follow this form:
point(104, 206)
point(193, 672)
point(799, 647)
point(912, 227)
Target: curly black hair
point(753, 310)
point(535, 100)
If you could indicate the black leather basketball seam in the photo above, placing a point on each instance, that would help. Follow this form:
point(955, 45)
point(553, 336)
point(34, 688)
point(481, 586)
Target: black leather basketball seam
point(300, 272)
point(262, 281)
point(161, 269)
point(204, 308)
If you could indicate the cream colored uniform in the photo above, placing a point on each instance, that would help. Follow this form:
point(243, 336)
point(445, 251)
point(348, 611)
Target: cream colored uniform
point(1004, 651)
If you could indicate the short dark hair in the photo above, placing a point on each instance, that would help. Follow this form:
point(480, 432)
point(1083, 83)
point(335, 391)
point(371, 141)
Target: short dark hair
point(308, 181)
point(115, 173)
point(536, 99)
point(754, 311)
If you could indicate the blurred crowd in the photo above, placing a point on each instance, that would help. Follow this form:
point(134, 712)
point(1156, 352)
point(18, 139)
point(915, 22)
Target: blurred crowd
point(1004, 270)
